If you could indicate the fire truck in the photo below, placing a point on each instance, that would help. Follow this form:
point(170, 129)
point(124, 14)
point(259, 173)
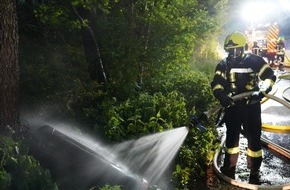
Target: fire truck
point(262, 40)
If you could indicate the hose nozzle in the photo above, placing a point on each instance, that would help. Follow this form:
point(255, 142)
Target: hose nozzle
point(194, 122)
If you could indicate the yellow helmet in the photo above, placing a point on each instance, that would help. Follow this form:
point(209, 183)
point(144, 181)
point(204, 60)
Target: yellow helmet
point(281, 39)
point(235, 40)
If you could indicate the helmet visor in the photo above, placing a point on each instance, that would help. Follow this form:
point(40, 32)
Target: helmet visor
point(235, 52)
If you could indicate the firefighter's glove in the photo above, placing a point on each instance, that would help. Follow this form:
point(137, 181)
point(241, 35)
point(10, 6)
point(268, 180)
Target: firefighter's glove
point(226, 101)
point(256, 96)
point(266, 86)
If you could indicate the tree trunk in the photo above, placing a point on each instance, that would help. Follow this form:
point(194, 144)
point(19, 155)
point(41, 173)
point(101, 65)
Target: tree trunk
point(93, 56)
point(91, 46)
point(9, 68)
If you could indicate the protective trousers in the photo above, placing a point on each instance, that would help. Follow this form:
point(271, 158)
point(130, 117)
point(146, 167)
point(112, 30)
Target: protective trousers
point(249, 117)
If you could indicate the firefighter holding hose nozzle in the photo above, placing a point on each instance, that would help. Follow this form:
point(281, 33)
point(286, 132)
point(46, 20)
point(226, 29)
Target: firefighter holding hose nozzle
point(242, 72)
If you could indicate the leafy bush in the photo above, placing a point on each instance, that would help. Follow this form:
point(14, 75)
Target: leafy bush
point(18, 170)
point(198, 149)
point(109, 187)
point(193, 85)
point(39, 81)
point(195, 155)
point(165, 104)
point(145, 114)
point(84, 101)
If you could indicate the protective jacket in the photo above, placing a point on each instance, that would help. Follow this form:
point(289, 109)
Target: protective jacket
point(232, 78)
point(280, 50)
point(256, 49)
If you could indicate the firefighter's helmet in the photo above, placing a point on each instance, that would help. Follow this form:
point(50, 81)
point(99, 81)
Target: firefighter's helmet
point(281, 39)
point(235, 41)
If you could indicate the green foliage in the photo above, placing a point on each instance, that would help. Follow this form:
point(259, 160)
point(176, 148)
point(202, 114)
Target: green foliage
point(206, 66)
point(5, 180)
point(41, 81)
point(158, 56)
point(196, 153)
point(109, 187)
point(54, 15)
point(193, 85)
point(87, 103)
point(18, 170)
point(145, 114)
point(51, 71)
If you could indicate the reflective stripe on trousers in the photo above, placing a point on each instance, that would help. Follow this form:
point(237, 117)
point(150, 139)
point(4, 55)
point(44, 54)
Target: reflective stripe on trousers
point(247, 117)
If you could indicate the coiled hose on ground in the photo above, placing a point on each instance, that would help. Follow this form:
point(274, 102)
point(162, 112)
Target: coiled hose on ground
point(270, 145)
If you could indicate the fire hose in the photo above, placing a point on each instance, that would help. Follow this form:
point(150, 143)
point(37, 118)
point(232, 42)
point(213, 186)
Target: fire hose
point(283, 102)
point(272, 146)
point(242, 184)
point(219, 108)
point(283, 94)
point(287, 77)
point(265, 142)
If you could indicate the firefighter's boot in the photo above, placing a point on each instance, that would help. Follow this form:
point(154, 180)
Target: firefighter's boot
point(230, 172)
point(255, 177)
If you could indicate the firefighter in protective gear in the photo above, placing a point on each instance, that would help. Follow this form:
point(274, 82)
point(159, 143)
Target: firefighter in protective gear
point(256, 48)
point(237, 73)
point(280, 49)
